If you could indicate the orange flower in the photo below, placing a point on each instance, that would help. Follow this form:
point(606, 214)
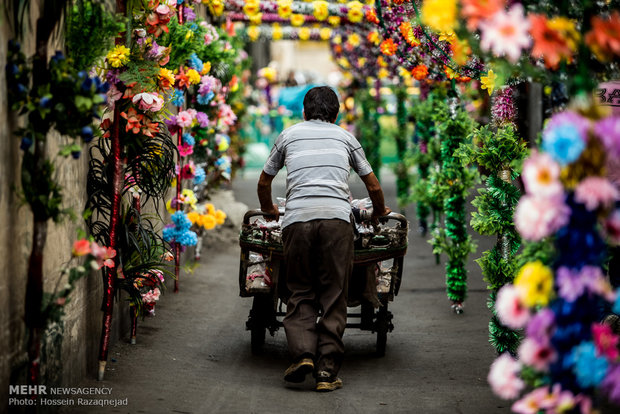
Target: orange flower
point(476, 10)
point(450, 73)
point(549, 44)
point(420, 72)
point(373, 37)
point(388, 47)
point(460, 51)
point(182, 81)
point(371, 15)
point(407, 31)
point(604, 37)
point(134, 120)
point(81, 247)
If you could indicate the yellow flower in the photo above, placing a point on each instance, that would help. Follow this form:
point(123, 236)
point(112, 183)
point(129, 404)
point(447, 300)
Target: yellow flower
point(334, 20)
point(297, 20)
point(208, 221)
point(450, 73)
point(568, 30)
point(356, 12)
point(118, 56)
point(193, 76)
point(194, 217)
point(439, 15)
point(223, 145)
point(361, 62)
point(253, 33)
point(210, 208)
point(304, 33)
point(354, 39)
point(217, 7)
point(285, 8)
point(276, 32)
point(337, 39)
point(321, 10)
point(189, 197)
point(251, 7)
point(374, 37)
point(343, 63)
point(383, 73)
point(189, 35)
point(169, 207)
point(206, 68)
point(325, 33)
point(220, 217)
point(449, 36)
point(256, 18)
point(381, 62)
point(166, 76)
point(535, 283)
point(488, 82)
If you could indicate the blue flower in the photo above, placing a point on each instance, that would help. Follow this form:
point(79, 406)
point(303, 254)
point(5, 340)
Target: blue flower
point(199, 176)
point(22, 88)
point(12, 69)
point(188, 139)
point(178, 99)
point(26, 143)
point(195, 62)
point(101, 87)
point(75, 154)
point(87, 134)
point(87, 84)
point(82, 74)
point(45, 102)
point(616, 308)
point(588, 368)
point(58, 57)
point(205, 99)
point(563, 143)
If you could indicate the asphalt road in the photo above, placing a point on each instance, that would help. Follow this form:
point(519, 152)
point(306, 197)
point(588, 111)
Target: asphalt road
point(194, 355)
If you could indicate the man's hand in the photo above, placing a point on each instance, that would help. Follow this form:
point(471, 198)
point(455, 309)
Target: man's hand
point(271, 214)
point(385, 212)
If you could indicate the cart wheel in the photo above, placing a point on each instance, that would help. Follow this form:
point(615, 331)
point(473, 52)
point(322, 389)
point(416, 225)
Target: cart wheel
point(383, 325)
point(258, 339)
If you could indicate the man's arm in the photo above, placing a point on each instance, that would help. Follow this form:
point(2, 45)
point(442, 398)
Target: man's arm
point(264, 196)
point(376, 195)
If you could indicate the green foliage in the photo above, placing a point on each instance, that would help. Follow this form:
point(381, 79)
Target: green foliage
point(495, 205)
point(369, 128)
point(183, 40)
point(90, 32)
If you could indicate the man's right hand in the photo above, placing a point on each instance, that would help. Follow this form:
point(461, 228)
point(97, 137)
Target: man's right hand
point(271, 214)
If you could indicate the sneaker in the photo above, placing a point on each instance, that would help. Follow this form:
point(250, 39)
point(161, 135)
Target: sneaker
point(298, 371)
point(327, 382)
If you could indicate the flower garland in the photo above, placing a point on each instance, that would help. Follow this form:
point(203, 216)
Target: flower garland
point(276, 32)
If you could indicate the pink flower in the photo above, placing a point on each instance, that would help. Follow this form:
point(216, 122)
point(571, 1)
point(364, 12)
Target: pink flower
point(504, 377)
point(151, 296)
point(537, 354)
point(531, 403)
point(608, 131)
point(612, 227)
point(506, 33)
point(510, 309)
point(185, 150)
point(596, 192)
point(605, 340)
point(184, 119)
point(541, 175)
point(103, 255)
point(148, 101)
point(539, 217)
point(81, 248)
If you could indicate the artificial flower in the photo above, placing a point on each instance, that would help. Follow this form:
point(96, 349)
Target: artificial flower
point(184, 119)
point(536, 354)
point(134, 120)
point(220, 217)
point(182, 81)
point(355, 12)
point(200, 176)
point(571, 285)
point(406, 30)
point(589, 368)
point(606, 341)
point(371, 15)
point(476, 11)
point(151, 296)
point(541, 176)
point(334, 20)
point(608, 131)
point(325, 33)
point(604, 37)
point(209, 222)
point(276, 32)
point(549, 44)
point(612, 227)
point(504, 377)
point(251, 7)
point(506, 33)
point(185, 150)
point(210, 208)
point(256, 18)
point(81, 248)
point(388, 47)
point(253, 33)
point(103, 255)
point(563, 143)
point(285, 8)
point(165, 78)
point(439, 15)
point(541, 325)
point(596, 192)
point(177, 98)
point(611, 384)
point(202, 119)
point(320, 10)
point(151, 102)
point(118, 56)
point(193, 76)
point(297, 20)
point(510, 308)
point(419, 72)
point(488, 82)
point(304, 33)
point(535, 284)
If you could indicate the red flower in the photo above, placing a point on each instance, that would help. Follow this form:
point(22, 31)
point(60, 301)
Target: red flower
point(134, 120)
point(604, 38)
point(371, 15)
point(549, 44)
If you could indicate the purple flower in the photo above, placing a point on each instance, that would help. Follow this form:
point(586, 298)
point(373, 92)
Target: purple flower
point(172, 124)
point(541, 324)
point(581, 124)
point(189, 14)
point(570, 284)
point(611, 383)
point(608, 130)
point(202, 119)
point(503, 109)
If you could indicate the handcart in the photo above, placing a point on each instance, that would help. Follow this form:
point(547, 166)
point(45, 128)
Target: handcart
point(377, 272)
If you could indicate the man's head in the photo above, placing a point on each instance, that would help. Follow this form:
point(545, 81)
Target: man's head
point(321, 103)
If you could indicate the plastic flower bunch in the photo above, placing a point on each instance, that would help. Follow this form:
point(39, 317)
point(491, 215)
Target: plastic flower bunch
point(567, 352)
point(179, 231)
point(147, 290)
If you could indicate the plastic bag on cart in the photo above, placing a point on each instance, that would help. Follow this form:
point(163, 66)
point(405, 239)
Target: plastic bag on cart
point(269, 231)
point(383, 274)
point(258, 279)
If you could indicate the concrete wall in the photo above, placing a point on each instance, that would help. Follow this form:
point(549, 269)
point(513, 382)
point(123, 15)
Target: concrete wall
point(76, 356)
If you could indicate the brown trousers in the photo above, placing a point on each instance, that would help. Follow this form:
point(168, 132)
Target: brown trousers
point(319, 260)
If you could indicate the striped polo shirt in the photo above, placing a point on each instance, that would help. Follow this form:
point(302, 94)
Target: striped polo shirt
point(318, 157)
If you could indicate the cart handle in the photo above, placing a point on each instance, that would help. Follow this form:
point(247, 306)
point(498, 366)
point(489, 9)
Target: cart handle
point(391, 216)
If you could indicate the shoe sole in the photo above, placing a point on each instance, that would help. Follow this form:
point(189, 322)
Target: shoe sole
point(299, 373)
point(328, 386)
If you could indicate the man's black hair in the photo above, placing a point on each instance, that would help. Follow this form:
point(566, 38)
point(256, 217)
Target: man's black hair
point(321, 103)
